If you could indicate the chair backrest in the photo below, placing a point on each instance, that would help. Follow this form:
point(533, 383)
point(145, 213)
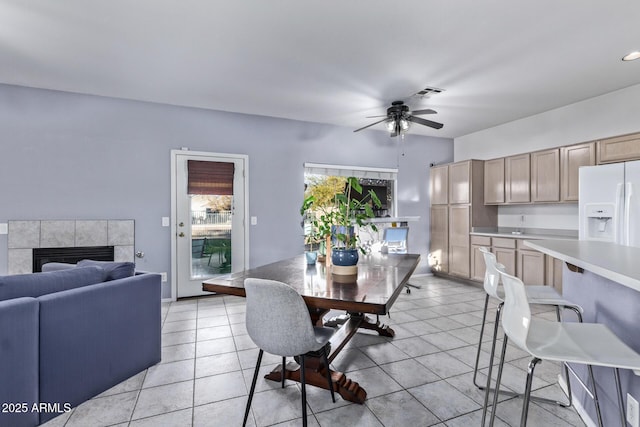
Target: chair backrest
point(277, 318)
point(516, 314)
point(396, 239)
point(491, 275)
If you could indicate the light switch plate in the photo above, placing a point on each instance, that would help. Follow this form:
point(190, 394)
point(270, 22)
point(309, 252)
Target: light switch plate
point(165, 221)
point(4, 228)
point(254, 220)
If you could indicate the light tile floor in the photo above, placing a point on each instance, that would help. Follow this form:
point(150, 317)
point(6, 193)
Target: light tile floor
point(422, 377)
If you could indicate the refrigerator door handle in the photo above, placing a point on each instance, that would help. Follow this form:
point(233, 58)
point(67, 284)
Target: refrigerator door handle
point(627, 213)
point(619, 215)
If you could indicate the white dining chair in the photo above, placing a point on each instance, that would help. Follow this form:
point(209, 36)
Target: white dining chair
point(591, 344)
point(540, 295)
point(278, 322)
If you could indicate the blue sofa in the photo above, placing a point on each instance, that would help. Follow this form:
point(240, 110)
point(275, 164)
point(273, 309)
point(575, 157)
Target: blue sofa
point(68, 335)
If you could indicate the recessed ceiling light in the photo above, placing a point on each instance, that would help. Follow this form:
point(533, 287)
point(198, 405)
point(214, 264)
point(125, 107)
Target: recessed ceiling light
point(631, 56)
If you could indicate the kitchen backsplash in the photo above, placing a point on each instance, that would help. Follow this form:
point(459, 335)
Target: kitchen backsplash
point(553, 216)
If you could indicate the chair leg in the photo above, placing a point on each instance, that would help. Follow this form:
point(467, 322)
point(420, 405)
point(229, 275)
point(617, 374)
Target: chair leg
point(623, 417)
point(284, 368)
point(326, 366)
point(484, 318)
point(527, 391)
point(498, 380)
point(304, 392)
point(253, 388)
point(491, 357)
point(595, 395)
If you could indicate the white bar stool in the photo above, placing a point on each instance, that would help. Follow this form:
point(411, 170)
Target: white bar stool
point(592, 344)
point(541, 295)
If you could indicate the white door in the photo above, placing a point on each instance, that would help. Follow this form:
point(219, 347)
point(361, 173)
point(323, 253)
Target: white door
point(209, 212)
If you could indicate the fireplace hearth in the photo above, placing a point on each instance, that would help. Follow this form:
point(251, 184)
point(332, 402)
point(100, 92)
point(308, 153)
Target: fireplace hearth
point(26, 235)
point(70, 255)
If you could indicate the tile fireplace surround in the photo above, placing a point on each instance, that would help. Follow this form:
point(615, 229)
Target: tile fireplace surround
point(24, 236)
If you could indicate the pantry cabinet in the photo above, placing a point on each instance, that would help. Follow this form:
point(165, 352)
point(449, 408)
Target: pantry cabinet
point(439, 185)
point(439, 232)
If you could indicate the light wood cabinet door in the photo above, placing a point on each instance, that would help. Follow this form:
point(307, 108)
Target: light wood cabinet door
point(571, 159)
point(439, 247)
point(459, 256)
point(545, 176)
point(494, 181)
point(439, 185)
point(460, 182)
point(531, 267)
point(506, 257)
point(517, 176)
point(478, 266)
point(619, 149)
point(554, 273)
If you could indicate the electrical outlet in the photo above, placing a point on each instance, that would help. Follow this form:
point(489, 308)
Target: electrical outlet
point(633, 415)
point(163, 276)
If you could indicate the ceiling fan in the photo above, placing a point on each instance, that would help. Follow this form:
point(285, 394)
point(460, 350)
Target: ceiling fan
point(399, 118)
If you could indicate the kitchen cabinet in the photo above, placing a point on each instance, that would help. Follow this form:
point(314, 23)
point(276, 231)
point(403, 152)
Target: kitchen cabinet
point(459, 182)
point(572, 158)
point(478, 267)
point(505, 251)
point(439, 232)
point(494, 181)
point(459, 228)
point(517, 178)
point(619, 149)
point(554, 273)
point(439, 185)
point(530, 265)
point(450, 249)
point(545, 176)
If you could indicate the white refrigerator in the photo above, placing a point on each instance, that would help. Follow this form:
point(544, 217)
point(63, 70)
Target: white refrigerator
point(609, 203)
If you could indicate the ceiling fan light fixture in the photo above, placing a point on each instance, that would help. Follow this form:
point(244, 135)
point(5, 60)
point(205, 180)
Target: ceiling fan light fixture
point(631, 56)
point(404, 125)
point(391, 125)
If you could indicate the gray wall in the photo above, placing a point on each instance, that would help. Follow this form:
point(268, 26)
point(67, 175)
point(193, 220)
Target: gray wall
point(69, 156)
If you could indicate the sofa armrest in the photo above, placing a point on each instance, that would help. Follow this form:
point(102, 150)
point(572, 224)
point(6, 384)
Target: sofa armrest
point(94, 337)
point(18, 361)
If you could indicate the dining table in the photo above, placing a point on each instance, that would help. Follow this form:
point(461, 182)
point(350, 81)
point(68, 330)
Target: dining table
point(380, 279)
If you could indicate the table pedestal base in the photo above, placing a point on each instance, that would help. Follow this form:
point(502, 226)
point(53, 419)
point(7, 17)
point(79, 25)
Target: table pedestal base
point(349, 390)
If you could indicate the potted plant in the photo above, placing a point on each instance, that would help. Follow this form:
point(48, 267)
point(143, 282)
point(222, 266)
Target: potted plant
point(336, 223)
point(351, 211)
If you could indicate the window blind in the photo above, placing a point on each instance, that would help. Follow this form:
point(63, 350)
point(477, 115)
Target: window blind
point(214, 178)
point(357, 171)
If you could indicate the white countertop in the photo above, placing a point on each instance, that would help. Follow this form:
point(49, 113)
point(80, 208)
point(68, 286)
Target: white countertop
point(527, 233)
point(612, 261)
point(394, 219)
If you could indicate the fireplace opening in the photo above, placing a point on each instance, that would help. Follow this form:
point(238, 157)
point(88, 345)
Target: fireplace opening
point(70, 255)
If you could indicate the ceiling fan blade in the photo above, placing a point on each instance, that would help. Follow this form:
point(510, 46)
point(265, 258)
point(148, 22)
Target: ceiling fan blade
point(425, 122)
point(427, 111)
point(372, 124)
point(375, 117)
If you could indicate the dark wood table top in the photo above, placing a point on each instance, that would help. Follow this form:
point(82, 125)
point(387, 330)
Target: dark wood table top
point(381, 278)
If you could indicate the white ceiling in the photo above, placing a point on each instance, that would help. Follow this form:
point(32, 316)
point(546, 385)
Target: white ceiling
point(329, 61)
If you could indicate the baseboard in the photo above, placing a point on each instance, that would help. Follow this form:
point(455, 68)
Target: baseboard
point(576, 404)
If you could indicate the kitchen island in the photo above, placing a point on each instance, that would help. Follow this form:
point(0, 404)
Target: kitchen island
point(604, 278)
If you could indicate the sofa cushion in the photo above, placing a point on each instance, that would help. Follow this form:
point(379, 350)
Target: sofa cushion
point(37, 284)
point(113, 270)
point(55, 266)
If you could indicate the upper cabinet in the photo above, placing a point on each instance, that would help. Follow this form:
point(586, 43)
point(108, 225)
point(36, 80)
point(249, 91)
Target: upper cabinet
point(545, 176)
point(494, 181)
point(439, 185)
point(460, 182)
point(619, 149)
point(571, 159)
point(517, 179)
